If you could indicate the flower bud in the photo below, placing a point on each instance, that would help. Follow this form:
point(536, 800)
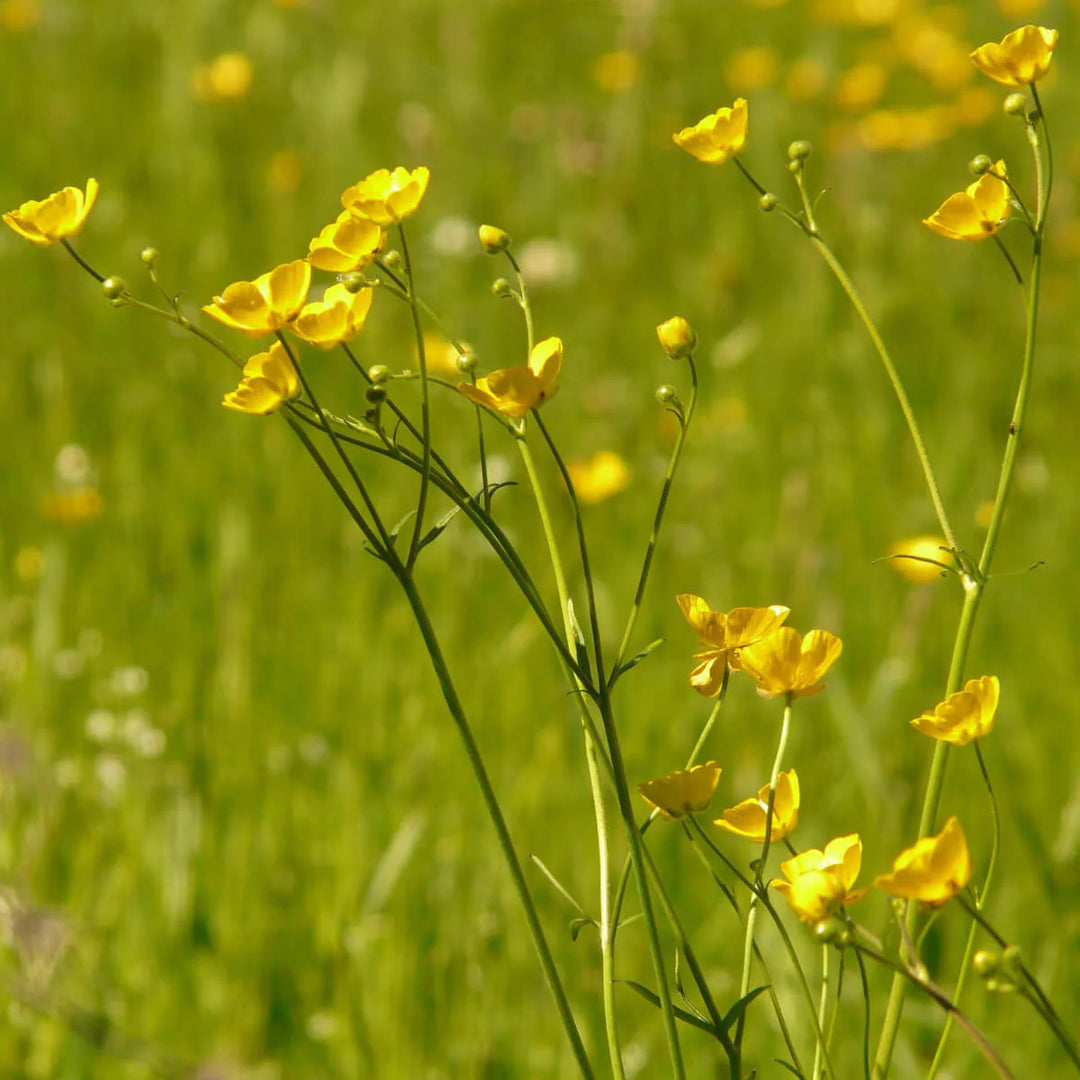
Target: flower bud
point(1015, 104)
point(794, 167)
point(979, 165)
point(985, 962)
point(828, 930)
point(392, 259)
point(799, 150)
point(113, 287)
point(353, 281)
point(378, 373)
point(1011, 963)
point(493, 240)
point(501, 288)
point(466, 362)
point(665, 394)
point(767, 202)
point(149, 256)
point(375, 395)
point(677, 337)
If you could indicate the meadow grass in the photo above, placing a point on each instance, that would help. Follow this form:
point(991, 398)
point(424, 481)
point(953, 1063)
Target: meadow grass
point(300, 879)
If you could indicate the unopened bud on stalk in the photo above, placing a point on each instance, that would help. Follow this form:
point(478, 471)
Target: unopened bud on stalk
point(353, 281)
point(799, 150)
point(493, 239)
point(392, 259)
point(375, 395)
point(985, 962)
point(829, 930)
point(665, 394)
point(113, 287)
point(677, 337)
point(1011, 963)
point(767, 202)
point(149, 256)
point(466, 362)
point(501, 288)
point(1015, 105)
point(378, 373)
point(979, 165)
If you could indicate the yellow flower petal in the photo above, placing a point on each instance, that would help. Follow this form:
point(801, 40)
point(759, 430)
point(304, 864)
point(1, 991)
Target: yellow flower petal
point(49, 220)
point(346, 244)
point(269, 380)
point(786, 663)
point(598, 477)
point(933, 870)
point(747, 819)
point(816, 883)
point(718, 137)
point(387, 197)
point(1020, 58)
point(517, 390)
point(963, 716)
point(683, 792)
point(338, 317)
point(915, 552)
point(260, 307)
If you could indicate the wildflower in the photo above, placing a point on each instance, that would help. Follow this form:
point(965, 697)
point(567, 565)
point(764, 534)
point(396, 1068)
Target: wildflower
point(338, 317)
point(493, 239)
point(19, 16)
point(49, 220)
point(517, 390)
point(72, 505)
point(677, 337)
point(685, 791)
point(718, 137)
point(598, 477)
point(913, 555)
point(226, 78)
point(787, 663)
point(747, 819)
point(347, 244)
point(387, 197)
point(616, 72)
point(441, 356)
point(723, 634)
point(933, 870)
point(966, 715)
point(260, 307)
point(752, 68)
point(819, 882)
point(269, 380)
point(977, 213)
point(1020, 58)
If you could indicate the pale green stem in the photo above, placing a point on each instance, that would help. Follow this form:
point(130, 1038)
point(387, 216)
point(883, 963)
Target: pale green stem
point(523, 300)
point(823, 1008)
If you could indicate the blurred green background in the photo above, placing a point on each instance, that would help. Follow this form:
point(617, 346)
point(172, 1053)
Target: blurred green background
point(238, 837)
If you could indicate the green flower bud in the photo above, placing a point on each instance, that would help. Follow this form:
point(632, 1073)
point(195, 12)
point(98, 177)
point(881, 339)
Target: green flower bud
point(677, 337)
point(979, 165)
point(828, 931)
point(392, 259)
point(501, 288)
point(493, 240)
point(799, 150)
point(794, 167)
point(665, 394)
point(378, 373)
point(466, 362)
point(353, 281)
point(985, 962)
point(1015, 105)
point(149, 256)
point(113, 287)
point(1011, 963)
point(767, 202)
point(375, 395)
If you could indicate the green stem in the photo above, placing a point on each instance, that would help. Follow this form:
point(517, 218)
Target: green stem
point(823, 1007)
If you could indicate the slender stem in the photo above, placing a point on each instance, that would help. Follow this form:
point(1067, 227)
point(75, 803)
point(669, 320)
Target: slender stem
point(823, 1007)
point(523, 299)
point(81, 261)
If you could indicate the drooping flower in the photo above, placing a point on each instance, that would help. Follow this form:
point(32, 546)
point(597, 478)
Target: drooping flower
point(47, 221)
point(816, 883)
point(338, 317)
point(977, 212)
point(723, 633)
point(717, 137)
point(914, 553)
point(685, 791)
point(387, 197)
point(517, 390)
point(747, 819)
point(347, 244)
point(1020, 58)
point(598, 477)
point(260, 307)
point(787, 663)
point(966, 715)
point(933, 870)
point(269, 380)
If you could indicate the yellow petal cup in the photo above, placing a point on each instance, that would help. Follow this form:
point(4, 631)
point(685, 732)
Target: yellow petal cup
point(338, 317)
point(516, 391)
point(387, 197)
point(1020, 58)
point(686, 791)
point(787, 663)
point(257, 308)
point(717, 137)
point(966, 715)
point(345, 245)
point(48, 221)
point(977, 212)
point(747, 819)
point(816, 883)
point(933, 870)
point(269, 380)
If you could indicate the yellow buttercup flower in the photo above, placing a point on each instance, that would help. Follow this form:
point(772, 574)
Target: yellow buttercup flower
point(816, 883)
point(517, 390)
point(933, 870)
point(1020, 58)
point(338, 317)
point(748, 818)
point(977, 213)
point(916, 550)
point(260, 307)
point(683, 792)
point(723, 633)
point(347, 244)
point(269, 380)
point(599, 477)
point(387, 197)
point(966, 715)
point(47, 221)
point(787, 663)
point(717, 137)
point(677, 337)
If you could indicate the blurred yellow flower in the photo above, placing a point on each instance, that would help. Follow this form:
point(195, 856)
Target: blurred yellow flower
point(226, 78)
point(260, 307)
point(18, 16)
point(914, 552)
point(441, 356)
point(717, 137)
point(724, 633)
point(283, 172)
point(517, 390)
point(806, 78)
point(906, 129)
point(347, 244)
point(816, 883)
point(616, 72)
point(860, 87)
point(752, 68)
point(677, 337)
point(787, 663)
point(683, 792)
point(29, 563)
point(984, 513)
point(269, 380)
point(1020, 58)
point(933, 870)
point(49, 220)
point(1014, 9)
point(857, 12)
point(598, 477)
point(976, 213)
point(72, 506)
point(747, 819)
point(968, 714)
point(339, 316)
point(387, 197)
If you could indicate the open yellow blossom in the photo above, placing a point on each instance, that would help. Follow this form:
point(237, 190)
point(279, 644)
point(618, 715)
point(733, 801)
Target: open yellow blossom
point(966, 715)
point(387, 197)
point(269, 380)
point(977, 212)
point(685, 791)
point(816, 883)
point(1020, 58)
point(787, 663)
point(723, 633)
point(717, 137)
point(47, 221)
point(338, 317)
point(517, 390)
point(933, 870)
point(347, 244)
point(260, 307)
point(598, 477)
point(913, 554)
point(747, 819)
